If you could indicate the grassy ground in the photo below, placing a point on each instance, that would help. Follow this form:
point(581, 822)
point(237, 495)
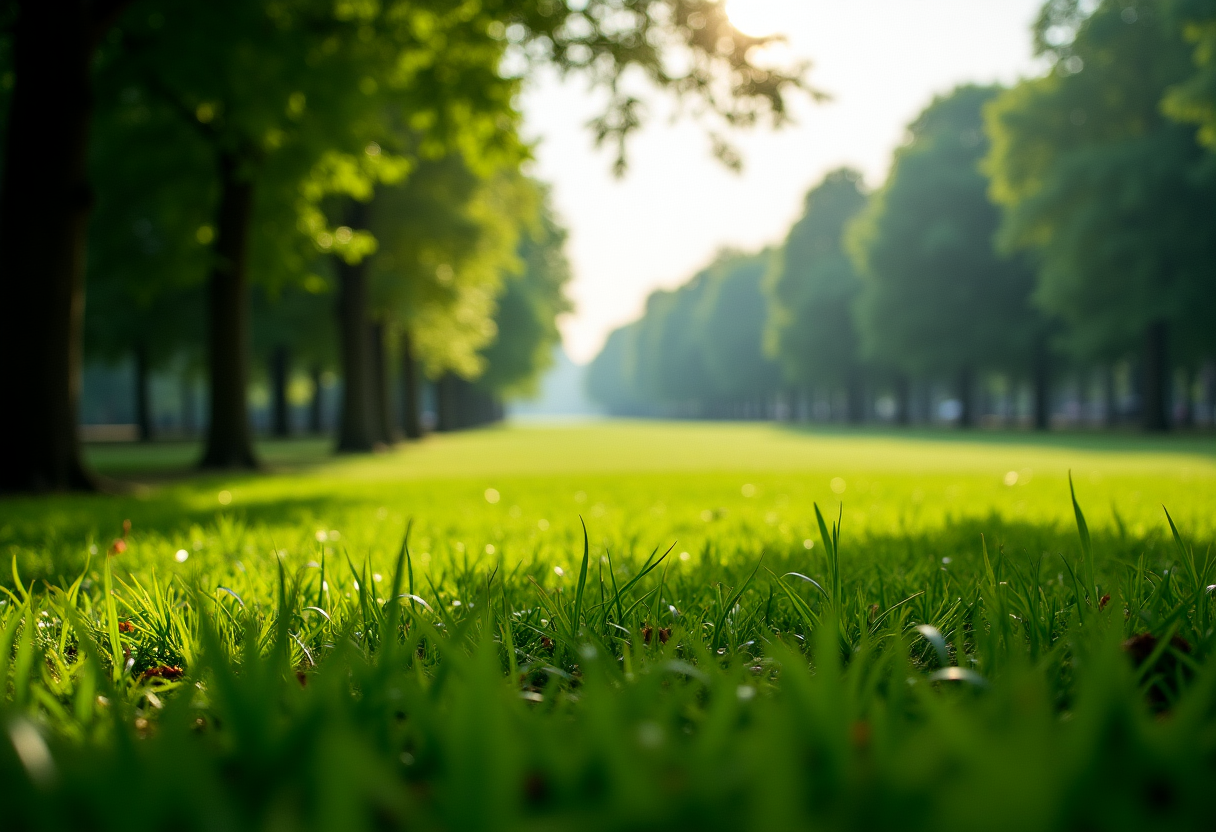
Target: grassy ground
point(259, 651)
point(638, 485)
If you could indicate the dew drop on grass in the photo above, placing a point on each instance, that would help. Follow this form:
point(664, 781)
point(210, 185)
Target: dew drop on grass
point(557, 570)
point(684, 556)
point(225, 497)
point(1011, 478)
point(489, 548)
point(749, 490)
point(838, 485)
point(492, 496)
point(745, 692)
point(322, 535)
point(181, 556)
point(377, 577)
point(808, 544)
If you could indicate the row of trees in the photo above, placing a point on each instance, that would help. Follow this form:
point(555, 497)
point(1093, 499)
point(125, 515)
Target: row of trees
point(184, 155)
point(1062, 223)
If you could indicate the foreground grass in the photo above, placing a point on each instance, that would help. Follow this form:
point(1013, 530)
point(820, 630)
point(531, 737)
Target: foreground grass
point(282, 661)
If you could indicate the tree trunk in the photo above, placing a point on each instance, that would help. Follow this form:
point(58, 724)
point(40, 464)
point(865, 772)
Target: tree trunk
point(143, 403)
point(446, 404)
point(1040, 372)
point(411, 403)
point(1155, 408)
point(1186, 414)
point(903, 401)
point(229, 438)
point(966, 397)
point(280, 373)
point(188, 407)
point(44, 213)
point(356, 433)
point(381, 415)
point(315, 406)
point(855, 403)
point(1110, 407)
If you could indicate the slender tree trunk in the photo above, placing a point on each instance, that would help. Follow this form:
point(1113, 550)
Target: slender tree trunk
point(1109, 394)
point(903, 400)
point(855, 402)
point(411, 401)
point(1155, 408)
point(280, 408)
point(229, 438)
point(44, 213)
point(1186, 416)
point(447, 403)
point(1040, 372)
point(966, 397)
point(357, 432)
point(381, 415)
point(315, 413)
point(143, 399)
point(189, 427)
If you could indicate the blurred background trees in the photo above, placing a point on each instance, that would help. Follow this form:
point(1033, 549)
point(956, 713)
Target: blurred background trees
point(1038, 252)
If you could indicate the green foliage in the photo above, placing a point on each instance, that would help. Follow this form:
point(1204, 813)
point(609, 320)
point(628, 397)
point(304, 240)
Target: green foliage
point(1108, 193)
point(937, 297)
point(813, 288)
point(529, 306)
point(697, 350)
point(378, 688)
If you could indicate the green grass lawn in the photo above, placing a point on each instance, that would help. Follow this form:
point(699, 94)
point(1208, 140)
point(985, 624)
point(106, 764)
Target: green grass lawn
point(260, 652)
point(739, 487)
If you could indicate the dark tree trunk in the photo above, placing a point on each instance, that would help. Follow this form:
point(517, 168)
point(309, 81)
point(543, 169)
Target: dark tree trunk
point(966, 398)
point(189, 428)
point(315, 413)
point(381, 415)
point(411, 404)
point(356, 433)
point(229, 438)
point(143, 399)
point(1111, 400)
point(44, 213)
point(1040, 372)
point(280, 374)
point(855, 402)
point(1186, 413)
point(446, 403)
point(903, 400)
point(1155, 407)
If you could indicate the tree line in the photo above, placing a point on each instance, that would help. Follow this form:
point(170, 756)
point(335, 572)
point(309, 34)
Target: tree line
point(1055, 231)
point(307, 183)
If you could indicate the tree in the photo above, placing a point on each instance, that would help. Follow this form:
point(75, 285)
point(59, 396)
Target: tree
point(697, 350)
point(730, 331)
point(812, 290)
point(532, 299)
point(447, 237)
point(1113, 198)
point(610, 379)
point(937, 299)
point(44, 212)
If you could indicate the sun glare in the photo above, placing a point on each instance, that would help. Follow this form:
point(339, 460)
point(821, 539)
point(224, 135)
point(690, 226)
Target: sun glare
point(761, 18)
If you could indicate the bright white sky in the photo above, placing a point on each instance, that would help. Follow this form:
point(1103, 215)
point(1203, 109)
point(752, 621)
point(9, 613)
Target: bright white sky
point(881, 61)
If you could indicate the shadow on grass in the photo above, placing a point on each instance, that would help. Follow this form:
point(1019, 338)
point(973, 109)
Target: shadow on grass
point(177, 460)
